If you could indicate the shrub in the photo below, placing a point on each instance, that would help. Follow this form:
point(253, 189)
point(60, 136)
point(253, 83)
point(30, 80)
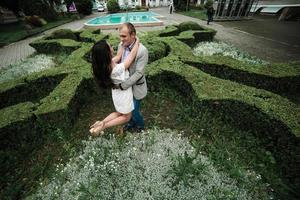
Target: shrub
point(35, 20)
point(113, 6)
point(208, 4)
point(84, 6)
point(55, 46)
point(197, 7)
point(169, 31)
point(40, 8)
point(63, 34)
point(91, 36)
point(156, 48)
point(145, 8)
point(184, 26)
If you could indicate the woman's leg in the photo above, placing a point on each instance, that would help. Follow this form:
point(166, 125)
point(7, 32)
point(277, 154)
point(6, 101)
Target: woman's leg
point(112, 119)
point(108, 118)
point(121, 119)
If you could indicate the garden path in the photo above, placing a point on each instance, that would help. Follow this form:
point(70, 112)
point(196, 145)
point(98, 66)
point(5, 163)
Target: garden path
point(269, 46)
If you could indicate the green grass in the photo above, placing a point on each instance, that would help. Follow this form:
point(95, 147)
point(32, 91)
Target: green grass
point(14, 32)
point(199, 14)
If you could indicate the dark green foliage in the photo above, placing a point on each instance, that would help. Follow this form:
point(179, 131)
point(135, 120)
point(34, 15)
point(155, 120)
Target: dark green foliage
point(283, 85)
point(113, 6)
point(84, 6)
point(205, 35)
point(31, 91)
point(196, 7)
point(40, 8)
point(208, 4)
point(63, 34)
point(10, 4)
point(55, 46)
point(35, 21)
point(192, 38)
point(156, 48)
point(181, 4)
point(58, 94)
point(184, 26)
point(187, 170)
point(92, 36)
point(169, 31)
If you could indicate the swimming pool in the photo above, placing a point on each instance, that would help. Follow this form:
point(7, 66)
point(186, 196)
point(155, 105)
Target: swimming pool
point(136, 18)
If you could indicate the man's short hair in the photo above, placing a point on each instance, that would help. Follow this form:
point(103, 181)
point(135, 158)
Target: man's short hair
point(130, 26)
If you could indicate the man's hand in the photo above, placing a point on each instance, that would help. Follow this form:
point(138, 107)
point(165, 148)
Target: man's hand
point(118, 86)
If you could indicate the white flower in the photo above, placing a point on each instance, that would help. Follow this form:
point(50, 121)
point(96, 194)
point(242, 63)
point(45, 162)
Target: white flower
point(221, 48)
point(149, 167)
point(26, 66)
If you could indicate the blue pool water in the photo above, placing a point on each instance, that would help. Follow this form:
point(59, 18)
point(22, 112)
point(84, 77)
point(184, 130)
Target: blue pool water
point(133, 17)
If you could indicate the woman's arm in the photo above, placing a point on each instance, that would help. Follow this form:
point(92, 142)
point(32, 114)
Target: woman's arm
point(131, 57)
point(118, 57)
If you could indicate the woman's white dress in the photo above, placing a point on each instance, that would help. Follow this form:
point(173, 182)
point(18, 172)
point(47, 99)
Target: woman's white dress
point(123, 99)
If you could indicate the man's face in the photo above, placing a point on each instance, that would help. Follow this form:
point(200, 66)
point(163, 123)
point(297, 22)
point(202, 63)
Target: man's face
point(125, 37)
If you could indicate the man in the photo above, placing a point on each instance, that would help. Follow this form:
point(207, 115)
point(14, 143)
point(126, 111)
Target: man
point(137, 78)
point(171, 7)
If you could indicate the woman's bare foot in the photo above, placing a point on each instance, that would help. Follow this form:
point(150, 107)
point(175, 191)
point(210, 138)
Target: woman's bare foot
point(95, 124)
point(97, 129)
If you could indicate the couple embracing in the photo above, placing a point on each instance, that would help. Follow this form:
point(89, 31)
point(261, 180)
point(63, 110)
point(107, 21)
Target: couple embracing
point(124, 74)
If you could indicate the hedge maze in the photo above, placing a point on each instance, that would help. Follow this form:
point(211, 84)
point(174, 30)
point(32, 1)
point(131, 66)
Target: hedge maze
point(247, 96)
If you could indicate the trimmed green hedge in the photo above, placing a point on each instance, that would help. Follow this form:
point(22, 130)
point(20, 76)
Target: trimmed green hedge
point(215, 83)
point(91, 36)
point(55, 46)
point(63, 34)
point(275, 119)
point(190, 33)
point(189, 25)
point(283, 78)
point(169, 31)
point(29, 91)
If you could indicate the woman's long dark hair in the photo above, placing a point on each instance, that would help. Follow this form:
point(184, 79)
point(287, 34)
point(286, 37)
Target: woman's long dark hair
point(101, 64)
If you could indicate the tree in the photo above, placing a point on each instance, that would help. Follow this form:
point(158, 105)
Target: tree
point(84, 6)
point(113, 6)
point(10, 4)
point(41, 8)
point(182, 5)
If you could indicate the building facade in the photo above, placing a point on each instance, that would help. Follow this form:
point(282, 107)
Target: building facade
point(233, 9)
point(151, 3)
point(224, 9)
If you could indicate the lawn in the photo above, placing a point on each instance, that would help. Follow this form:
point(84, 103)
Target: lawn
point(14, 32)
point(199, 14)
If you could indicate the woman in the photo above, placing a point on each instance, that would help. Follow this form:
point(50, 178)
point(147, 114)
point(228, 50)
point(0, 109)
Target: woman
point(107, 73)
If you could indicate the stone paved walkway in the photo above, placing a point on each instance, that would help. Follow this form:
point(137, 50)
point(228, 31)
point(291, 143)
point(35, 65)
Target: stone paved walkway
point(262, 47)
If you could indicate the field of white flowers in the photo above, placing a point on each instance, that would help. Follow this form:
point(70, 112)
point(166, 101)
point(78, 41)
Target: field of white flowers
point(157, 164)
point(26, 66)
point(223, 49)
